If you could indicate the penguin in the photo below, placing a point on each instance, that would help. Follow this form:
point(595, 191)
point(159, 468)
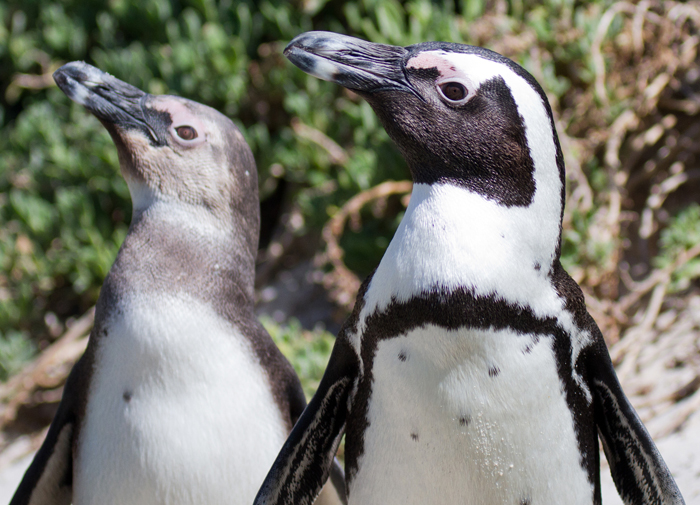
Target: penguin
point(469, 371)
point(181, 396)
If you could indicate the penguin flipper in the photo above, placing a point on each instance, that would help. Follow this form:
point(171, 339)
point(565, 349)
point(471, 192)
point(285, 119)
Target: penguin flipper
point(338, 481)
point(49, 478)
point(333, 492)
point(638, 470)
point(308, 456)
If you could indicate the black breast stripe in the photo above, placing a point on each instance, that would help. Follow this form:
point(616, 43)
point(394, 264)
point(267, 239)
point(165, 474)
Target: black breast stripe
point(461, 308)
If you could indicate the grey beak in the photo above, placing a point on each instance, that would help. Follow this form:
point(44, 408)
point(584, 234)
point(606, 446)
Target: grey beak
point(354, 63)
point(112, 101)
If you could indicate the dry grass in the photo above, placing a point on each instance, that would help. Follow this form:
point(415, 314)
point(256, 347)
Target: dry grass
point(638, 123)
point(648, 147)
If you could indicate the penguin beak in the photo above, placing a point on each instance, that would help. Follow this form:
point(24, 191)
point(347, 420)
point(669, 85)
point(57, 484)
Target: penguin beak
point(354, 63)
point(112, 101)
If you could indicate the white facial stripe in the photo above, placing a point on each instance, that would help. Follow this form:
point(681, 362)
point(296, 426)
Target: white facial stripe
point(538, 127)
point(454, 238)
point(451, 237)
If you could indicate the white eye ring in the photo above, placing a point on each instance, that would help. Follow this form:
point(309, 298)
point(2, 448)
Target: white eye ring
point(188, 128)
point(454, 91)
point(186, 131)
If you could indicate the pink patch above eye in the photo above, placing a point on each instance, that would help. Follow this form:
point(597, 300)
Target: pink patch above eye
point(179, 112)
point(434, 60)
point(181, 116)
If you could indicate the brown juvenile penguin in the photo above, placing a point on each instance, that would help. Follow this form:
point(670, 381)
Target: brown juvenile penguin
point(181, 397)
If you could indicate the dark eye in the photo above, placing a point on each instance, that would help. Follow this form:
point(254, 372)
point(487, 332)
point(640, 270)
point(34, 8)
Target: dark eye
point(453, 91)
point(186, 132)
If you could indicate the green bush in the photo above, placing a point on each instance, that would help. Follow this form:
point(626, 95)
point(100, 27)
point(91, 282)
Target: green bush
point(307, 350)
point(64, 209)
point(682, 235)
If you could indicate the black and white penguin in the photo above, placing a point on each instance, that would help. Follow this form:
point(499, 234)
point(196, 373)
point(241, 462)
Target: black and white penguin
point(181, 397)
point(470, 370)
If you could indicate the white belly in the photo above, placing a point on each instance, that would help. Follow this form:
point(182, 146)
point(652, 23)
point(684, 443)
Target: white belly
point(444, 430)
point(179, 412)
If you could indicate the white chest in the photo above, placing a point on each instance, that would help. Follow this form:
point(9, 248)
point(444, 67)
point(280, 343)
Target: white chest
point(452, 238)
point(468, 417)
point(179, 412)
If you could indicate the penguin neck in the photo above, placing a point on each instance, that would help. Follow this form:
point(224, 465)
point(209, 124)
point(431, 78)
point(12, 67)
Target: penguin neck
point(452, 238)
point(184, 249)
point(216, 225)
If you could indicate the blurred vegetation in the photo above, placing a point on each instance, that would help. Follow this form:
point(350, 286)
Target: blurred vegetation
point(619, 75)
point(308, 350)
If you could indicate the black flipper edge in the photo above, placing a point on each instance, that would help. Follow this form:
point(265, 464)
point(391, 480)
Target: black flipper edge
point(49, 478)
point(307, 457)
point(638, 470)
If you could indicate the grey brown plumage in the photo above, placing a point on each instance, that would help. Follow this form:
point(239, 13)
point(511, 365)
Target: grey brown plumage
point(181, 397)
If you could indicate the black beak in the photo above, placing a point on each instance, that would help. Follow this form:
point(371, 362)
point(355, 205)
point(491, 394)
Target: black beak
point(354, 63)
point(112, 101)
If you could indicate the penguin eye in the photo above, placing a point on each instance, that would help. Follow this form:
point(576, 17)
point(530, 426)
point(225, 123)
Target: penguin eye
point(186, 132)
point(453, 91)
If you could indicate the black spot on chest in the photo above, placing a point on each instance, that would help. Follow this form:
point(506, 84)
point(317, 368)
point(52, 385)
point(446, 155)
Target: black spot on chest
point(462, 309)
point(155, 259)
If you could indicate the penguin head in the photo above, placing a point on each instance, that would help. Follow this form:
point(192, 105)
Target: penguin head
point(170, 148)
point(459, 114)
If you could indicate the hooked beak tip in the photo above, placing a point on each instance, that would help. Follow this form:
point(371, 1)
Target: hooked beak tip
point(111, 100)
point(354, 63)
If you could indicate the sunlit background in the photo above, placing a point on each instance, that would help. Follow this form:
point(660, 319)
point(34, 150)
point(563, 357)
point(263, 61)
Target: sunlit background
point(622, 78)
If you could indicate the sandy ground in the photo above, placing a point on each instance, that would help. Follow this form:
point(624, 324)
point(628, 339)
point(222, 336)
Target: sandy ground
point(290, 295)
point(680, 450)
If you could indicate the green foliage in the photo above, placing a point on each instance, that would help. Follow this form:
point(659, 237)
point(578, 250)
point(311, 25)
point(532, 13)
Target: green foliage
point(580, 246)
point(15, 351)
point(682, 234)
point(308, 351)
point(64, 209)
